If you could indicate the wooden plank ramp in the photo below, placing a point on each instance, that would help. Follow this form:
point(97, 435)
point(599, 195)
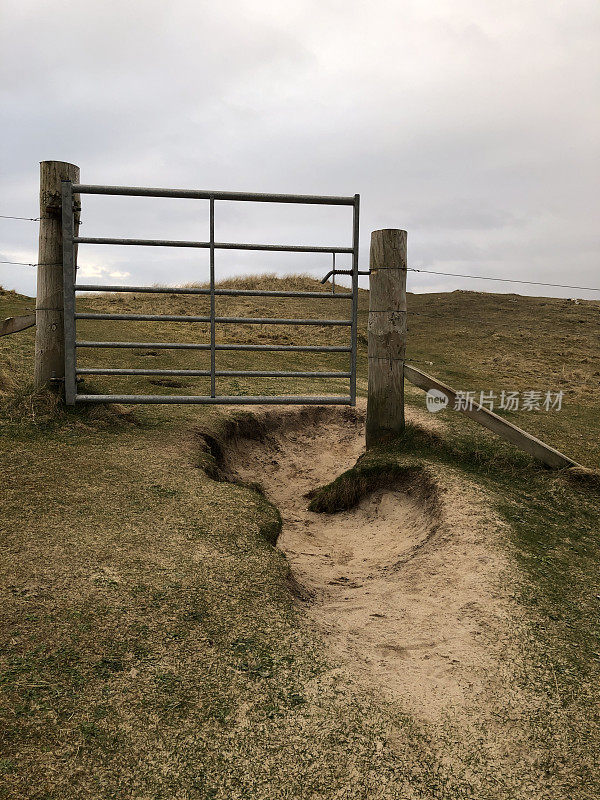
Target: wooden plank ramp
point(16, 324)
point(498, 425)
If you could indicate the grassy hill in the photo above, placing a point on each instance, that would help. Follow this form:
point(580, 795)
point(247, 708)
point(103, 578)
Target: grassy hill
point(151, 646)
point(471, 340)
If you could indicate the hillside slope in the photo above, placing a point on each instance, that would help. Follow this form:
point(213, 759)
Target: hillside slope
point(474, 341)
point(156, 644)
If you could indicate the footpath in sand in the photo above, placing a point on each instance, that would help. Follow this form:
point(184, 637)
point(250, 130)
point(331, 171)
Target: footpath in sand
point(403, 587)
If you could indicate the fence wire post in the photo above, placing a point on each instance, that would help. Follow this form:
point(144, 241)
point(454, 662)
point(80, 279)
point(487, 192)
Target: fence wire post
point(49, 366)
point(387, 336)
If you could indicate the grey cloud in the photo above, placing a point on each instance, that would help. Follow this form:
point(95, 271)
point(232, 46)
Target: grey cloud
point(474, 126)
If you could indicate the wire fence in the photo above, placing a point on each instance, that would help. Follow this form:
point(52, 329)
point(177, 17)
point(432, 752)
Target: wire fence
point(335, 272)
point(505, 280)
point(366, 272)
point(409, 269)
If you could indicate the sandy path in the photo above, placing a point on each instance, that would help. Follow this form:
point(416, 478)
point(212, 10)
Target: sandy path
point(401, 587)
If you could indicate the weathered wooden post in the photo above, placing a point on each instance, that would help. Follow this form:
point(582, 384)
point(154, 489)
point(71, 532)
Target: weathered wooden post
point(49, 335)
point(387, 336)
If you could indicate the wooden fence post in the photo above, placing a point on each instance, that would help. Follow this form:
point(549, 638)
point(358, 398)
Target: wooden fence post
point(387, 336)
point(49, 334)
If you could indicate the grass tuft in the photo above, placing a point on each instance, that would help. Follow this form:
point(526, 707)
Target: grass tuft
point(348, 489)
point(376, 470)
point(44, 409)
point(584, 476)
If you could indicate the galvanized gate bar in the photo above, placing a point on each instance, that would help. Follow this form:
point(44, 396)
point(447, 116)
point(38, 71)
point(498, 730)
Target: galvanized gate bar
point(354, 332)
point(230, 373)
point(90, 287)
point(195, 194)
point(333, 272)
point(224, 320)
point(71, 241)
point(213, 383)
point(143, 317)
point(69, 266)
point(172, 399)
point(279, 248)
point(193, 346)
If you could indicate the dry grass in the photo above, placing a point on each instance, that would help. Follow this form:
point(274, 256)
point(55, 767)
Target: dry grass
point(150, 642)
point(493, 342)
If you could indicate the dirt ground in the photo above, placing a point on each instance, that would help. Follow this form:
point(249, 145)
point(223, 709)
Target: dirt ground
point(405, 588)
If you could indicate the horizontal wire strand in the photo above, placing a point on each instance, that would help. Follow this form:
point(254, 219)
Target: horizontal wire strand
point(413, 269)
point(505, 280)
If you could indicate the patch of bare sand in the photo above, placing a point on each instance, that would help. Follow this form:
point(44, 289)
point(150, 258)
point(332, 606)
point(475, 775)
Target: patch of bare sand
point(404, 587)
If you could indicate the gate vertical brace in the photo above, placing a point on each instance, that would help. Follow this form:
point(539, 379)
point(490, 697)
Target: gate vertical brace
point(212, 300)
point(68, 230)
point(355, 233)
point(333, 275)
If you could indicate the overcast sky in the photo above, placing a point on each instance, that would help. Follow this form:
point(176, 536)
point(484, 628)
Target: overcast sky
point(472, 124)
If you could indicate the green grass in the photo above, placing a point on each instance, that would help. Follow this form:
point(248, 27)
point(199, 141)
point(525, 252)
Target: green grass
point(151, 647)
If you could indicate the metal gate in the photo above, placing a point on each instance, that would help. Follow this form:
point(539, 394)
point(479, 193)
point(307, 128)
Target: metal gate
point(71, 287)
